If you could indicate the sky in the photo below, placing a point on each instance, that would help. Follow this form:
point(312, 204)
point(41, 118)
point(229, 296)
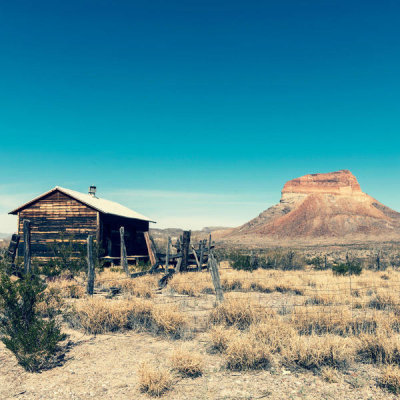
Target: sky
point(196, 113)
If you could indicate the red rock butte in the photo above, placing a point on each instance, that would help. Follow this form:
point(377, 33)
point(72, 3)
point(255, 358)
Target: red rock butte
point(340, 182)
point(330, 206)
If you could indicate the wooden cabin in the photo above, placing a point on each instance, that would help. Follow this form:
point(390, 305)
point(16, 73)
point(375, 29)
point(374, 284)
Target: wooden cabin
point(62, 214)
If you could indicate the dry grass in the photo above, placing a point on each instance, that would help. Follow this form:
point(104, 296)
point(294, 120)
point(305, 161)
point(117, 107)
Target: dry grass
point(68, 288)
point(381, 347)
point(143, 286)
point(99, 315)
point(315, 352)
point(220, 337)
point(191, 283)
point(390, 379)
point(188, 363)
point(244, 352)
point(235, 312)
point(154, 380)
point(169, 320)
point(330, 375)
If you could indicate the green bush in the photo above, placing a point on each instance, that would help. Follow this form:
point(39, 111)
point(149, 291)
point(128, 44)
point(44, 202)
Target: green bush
point(243, 262)
point(32, 339)
point(348, 268)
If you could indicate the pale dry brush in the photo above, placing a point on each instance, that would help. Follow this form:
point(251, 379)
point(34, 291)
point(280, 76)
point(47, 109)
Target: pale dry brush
point(154, 379)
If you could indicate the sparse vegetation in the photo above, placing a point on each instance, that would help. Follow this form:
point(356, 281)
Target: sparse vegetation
point(189, 364)
point(154, 379)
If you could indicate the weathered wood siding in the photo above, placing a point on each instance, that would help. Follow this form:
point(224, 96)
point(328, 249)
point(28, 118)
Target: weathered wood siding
point(54, 217)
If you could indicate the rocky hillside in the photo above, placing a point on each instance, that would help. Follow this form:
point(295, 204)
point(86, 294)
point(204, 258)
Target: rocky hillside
point(330, 205)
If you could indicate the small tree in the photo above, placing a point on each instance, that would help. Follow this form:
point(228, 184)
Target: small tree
point(32, 339)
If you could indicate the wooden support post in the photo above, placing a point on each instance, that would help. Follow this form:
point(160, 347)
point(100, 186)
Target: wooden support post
point(215, 278)
point(202, 245)
point(185, 250)
point(167, 256)
point(195, 257)
point(209, 251)
point(149, 248)
point(27, 246)
point(124, 261)
point(90, 262)
point(12, 248)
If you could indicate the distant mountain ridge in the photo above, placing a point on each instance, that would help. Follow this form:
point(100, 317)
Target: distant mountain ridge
point(329, 205)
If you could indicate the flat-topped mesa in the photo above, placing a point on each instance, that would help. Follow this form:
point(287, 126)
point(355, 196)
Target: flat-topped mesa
point(340, 182)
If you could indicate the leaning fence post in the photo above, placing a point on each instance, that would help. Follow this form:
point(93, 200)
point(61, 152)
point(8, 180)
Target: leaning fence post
point(167, 256)
point(124, 261)
point(90, 284)
point(215, 278)
point(27, 246)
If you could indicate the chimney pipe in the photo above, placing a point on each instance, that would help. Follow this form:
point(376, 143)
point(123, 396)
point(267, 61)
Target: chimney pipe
point(92, 191)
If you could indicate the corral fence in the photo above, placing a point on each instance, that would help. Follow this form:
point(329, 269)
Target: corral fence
point(317, 301)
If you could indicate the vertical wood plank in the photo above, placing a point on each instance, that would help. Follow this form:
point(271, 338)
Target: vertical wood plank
point(27, 246)
point(185, 250)
point(149, 249)
point(167, 255)
point(90, 262)
point(124, 261)
point(215, 278)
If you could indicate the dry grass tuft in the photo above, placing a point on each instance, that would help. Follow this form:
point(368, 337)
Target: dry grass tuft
point(154, 380)
point(191, 283)
point(98, 315)
point(315, 352)
point(234, 312)
point(220, 337)
point(187, 363)
point(390, 379)
point(245, 352)
point(274, 333)
point(169, 320)
point(329, 374)
point(380, 348)
point(67, 288)
point(143, 286)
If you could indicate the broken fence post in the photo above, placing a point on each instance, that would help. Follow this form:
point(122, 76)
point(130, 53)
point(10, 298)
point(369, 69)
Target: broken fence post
point(215, 278)
point(195, 257)
point(202, 245)
point(90, 284)
point(27, 246)
point(185, 250)
point(124, 261)
point(167, 256)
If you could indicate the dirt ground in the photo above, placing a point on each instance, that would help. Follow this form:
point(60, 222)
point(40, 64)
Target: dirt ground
point(105, 367)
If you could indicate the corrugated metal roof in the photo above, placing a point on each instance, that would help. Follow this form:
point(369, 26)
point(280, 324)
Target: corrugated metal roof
point(102, 205)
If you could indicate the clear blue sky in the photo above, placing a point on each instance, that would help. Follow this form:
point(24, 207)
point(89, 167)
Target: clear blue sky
point(196, 112)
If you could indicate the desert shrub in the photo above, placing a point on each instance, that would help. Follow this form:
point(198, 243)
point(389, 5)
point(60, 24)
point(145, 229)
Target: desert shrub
point(33, 340)
point(187, 363)
point(154, 379)
point(243, 262)
point(348, 268)
point(390, 379)
point(244, 352)
point(234, 312)
point(315, 352)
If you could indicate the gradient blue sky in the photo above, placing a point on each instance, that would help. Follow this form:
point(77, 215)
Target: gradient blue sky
point(196, 112)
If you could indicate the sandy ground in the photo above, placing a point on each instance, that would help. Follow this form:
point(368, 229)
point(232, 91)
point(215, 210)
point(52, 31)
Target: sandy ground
point(105, 367)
